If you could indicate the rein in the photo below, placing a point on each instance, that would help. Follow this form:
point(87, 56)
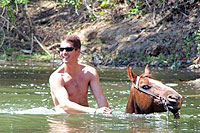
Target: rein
point(162, 99)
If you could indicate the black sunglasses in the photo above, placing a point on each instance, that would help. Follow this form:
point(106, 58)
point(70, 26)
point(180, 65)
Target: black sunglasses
point(67, 49)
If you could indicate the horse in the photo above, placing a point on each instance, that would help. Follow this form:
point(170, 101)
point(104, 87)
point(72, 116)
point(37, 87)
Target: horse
point(148, 95)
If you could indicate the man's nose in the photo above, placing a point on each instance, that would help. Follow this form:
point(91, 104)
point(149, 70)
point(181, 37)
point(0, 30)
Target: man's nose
point(64, 51)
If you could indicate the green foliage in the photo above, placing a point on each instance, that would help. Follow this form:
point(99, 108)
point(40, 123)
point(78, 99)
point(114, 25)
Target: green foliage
point(156, 60)
point(42, 57)
point(102, 12)
point(4, 56)
point(75, 3)
point(67, 32)
point(9, 50)
point(22, 2)
point(106, 57)
point(127, 55)
point(38, 57)
point(116, 58)
point(198, 48)
point(189, 41)
point(22, 57)
point(105, 3)
point(197, 38)
point(4, 3)
point(12, 3)
point(159, 2)
point(91, 17)
point(186, 47)
point(135, 10)
point(174, 62)
point(11, 16)
point(11, 7)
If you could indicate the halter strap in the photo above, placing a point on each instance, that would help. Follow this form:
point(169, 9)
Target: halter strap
point(137, 82)
point(162, 100)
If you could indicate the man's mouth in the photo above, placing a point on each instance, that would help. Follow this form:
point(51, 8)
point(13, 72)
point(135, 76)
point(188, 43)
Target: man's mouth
point(65, 58)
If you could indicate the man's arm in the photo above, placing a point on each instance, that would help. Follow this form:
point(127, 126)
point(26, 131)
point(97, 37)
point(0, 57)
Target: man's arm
point(62, 97)
point(97, 90)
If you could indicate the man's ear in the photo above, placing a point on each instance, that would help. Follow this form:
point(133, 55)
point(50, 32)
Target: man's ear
point(78, 51)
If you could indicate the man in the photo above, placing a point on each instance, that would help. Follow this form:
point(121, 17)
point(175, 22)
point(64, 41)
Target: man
point(69, 83)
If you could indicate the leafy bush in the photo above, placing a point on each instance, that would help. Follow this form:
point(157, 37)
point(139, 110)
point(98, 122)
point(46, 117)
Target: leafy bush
point(12, 3)
point(75, 3)
point(197, 38)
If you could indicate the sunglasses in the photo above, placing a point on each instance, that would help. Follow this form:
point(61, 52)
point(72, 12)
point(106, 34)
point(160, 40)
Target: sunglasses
point(67, 49)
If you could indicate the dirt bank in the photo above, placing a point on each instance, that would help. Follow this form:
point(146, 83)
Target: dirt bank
point(158, 39)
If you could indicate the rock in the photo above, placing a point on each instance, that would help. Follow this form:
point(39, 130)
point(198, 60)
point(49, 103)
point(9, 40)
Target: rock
point(196, 83)
point(111, 47)
point(97, 59)
point(134, 37)
point(154, 50)
point(90, 35)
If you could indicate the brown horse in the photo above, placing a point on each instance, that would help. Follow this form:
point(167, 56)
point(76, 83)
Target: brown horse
point(148, 95)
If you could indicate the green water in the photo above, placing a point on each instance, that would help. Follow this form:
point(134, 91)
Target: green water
point(26, 105)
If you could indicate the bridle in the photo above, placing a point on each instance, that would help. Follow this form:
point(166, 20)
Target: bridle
point(162, 99)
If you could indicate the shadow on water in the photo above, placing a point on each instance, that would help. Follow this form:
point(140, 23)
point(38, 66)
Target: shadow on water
point(26, 105)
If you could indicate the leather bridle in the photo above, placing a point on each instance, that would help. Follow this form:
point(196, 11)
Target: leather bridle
point(162, 99)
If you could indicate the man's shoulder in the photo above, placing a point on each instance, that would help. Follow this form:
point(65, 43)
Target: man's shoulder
point(88, 68)
point(56, 74)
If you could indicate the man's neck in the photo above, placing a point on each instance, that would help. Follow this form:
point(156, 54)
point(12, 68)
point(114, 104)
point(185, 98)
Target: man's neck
point(71, 69)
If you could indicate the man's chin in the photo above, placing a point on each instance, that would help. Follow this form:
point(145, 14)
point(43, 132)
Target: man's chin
point(65, 61)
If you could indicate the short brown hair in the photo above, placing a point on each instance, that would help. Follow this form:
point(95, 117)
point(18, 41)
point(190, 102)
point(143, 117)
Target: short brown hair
point(72, 39)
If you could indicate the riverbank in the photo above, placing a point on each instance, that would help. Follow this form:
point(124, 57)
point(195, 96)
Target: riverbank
point(168, 36)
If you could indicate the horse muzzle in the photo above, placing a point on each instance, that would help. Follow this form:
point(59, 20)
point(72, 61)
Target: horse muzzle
point(174, 103)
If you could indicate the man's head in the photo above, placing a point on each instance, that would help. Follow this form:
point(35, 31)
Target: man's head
point(73, 40)
point(70, 48)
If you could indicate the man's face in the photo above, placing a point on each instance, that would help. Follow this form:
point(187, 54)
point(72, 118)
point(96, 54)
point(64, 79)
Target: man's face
point(68, 53)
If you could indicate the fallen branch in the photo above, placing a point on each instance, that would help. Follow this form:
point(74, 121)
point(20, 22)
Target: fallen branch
point(154, 16)
point(43, 47)
point(162, 19)
point(19, 32)
point(3, 38)
point(50, 17)
point(53, 45)
point(148, 3)
point(89, 9)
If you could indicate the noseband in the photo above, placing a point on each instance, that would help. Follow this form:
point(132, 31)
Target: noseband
point(162, 99)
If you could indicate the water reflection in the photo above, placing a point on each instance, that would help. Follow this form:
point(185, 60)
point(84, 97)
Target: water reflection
point(101, 123)
point(60, 125)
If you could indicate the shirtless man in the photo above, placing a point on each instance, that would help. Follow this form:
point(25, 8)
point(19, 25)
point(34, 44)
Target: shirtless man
point(69, 83)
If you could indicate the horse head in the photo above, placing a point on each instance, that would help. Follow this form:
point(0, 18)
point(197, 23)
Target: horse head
point(148, 95)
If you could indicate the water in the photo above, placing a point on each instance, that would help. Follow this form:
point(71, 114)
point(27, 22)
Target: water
point(26, 104)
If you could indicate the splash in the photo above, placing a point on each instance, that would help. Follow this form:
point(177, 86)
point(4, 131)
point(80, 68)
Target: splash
point(38, 110)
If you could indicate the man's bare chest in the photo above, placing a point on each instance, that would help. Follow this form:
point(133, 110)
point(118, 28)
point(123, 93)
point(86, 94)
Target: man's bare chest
point(77, 85)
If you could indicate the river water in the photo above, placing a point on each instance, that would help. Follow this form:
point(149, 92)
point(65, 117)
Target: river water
point(26, 104)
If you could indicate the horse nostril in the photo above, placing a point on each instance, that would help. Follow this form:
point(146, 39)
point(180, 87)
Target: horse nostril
point(172, 98)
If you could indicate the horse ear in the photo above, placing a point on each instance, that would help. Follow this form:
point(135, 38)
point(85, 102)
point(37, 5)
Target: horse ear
point(147, 70)
point(132, 76)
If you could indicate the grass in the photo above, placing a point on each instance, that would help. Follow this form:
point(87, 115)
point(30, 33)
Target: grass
point(24, 57)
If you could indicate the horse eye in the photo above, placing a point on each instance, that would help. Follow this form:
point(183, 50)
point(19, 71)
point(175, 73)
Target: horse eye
point(146, 87)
